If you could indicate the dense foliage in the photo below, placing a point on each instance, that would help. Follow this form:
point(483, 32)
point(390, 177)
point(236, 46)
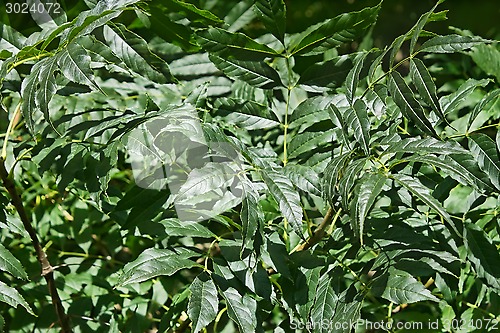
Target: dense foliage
point(166, 168)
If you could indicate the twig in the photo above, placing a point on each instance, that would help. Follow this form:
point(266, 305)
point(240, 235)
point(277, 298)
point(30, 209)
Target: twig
point(47, 269)
point(319, 232)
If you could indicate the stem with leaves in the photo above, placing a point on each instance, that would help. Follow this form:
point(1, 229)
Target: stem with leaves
point(47, 269)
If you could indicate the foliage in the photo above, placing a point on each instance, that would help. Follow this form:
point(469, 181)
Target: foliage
point(363, 184)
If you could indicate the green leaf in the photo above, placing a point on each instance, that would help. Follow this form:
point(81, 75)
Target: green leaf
point(74, 63)
point(338, 120)
point(409, 106)
point(417, 28)
point(245, 113)
point(258, 74)
point(485, 152)
point(193, 64)
point(241, 309)
point(281, 188)
point(358, 120)
point(203, 302)
point(423, 193)
point(482, 254)
point(400, 287)
point(155, 262)
point(12, 297)
point(47, 83)
point(308, 141)
point(10, 39)
point(352, 78)
point(324, 304)
point(425, 85)
point(469, 163)
point(303, 177)
point(10, 264)
point(333, 173)
point(487, 57)
point(172, 32)
point(176, 227)
point(453, 100)
point(235, 45)
point(29, 92)
point(451, 43)
point(333, 32)
point(251, 214)
point(369, 189)
point(310, 111)
point(192, 12)
point(135, 53)
point(490, 97)
point(426, 146)
point(349, 178)
point(102, 13)
point(273, 15)
point(330, 74)
point(454, 169)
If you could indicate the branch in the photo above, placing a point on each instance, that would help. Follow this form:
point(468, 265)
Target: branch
point(319, 233)
point(47, 269)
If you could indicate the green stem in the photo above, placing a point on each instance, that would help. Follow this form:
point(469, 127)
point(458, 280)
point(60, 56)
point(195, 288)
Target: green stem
point(12, 122)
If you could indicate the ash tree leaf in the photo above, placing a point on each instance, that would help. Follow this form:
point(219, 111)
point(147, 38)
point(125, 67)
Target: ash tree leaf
point(282, 189)
point(490, 97)
point(487, 57)
point(47, 83)
point(415, 187)
point(485, 152)
point(203, 302)
point(369, 189)
point(349, 179)
point(171, 31)
point(469, 163)
point(425, 85)
point(358, 120)
point(135, 53)
point(338, 119)
point(228, 44)
point(331, 73)
point(409, 106)
point(102, 13)
point(451, 43)
point(310, 110)
point(333, 32)
point(10, 39)
point(452, 101)
point(426, 146)
point(192, 12)
point(155, 262)
point(29, 89)
point(454, 169)
point(13, 298)
point(258, 74)
point(251, 214)
point(241, 309)
point(352, 78)
point(324, 304)
point(10, 264)
point(273, 15)
point(308, 141)
point(400, 287)
point(482, 254)
point(74, 63)
point(303, 177)
point(246, 113)
point(333, 173)
point(176, 227)
point(417, 28)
